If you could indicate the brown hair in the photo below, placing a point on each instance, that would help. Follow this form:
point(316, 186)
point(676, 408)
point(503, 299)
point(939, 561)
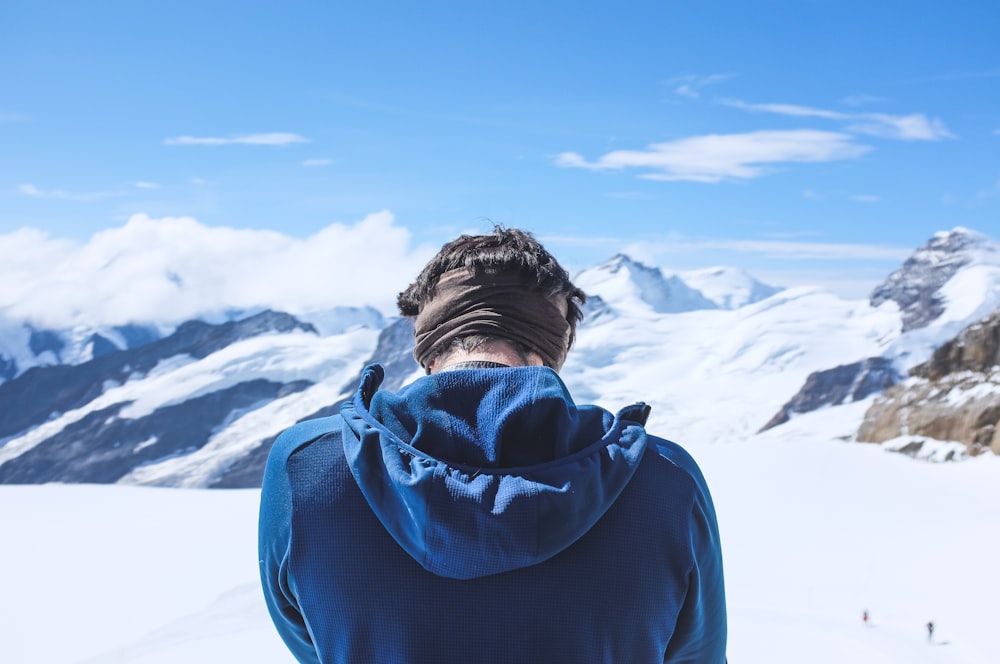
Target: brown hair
point(507, 251)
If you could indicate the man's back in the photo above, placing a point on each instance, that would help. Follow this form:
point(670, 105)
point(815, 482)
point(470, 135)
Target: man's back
point(481, 516)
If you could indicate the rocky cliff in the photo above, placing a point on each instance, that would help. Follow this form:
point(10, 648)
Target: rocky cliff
point(916, 286)
point(953, 396)
point(842, 384)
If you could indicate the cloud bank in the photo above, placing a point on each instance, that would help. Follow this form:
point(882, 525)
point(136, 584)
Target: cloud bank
point(730, 157)
point(175, 268)
point(912, 127)
point(718, 157)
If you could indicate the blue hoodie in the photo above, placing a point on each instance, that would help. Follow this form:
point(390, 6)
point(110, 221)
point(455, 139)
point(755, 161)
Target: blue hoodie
point(481, 516)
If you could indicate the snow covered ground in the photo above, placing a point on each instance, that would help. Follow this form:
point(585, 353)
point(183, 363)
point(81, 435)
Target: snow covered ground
point(815, 531)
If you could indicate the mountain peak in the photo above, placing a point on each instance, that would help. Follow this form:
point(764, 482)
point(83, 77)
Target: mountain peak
point(621, 261)
point(958, 238)
point(622, 282)
point(916, 286)
point(728, 287)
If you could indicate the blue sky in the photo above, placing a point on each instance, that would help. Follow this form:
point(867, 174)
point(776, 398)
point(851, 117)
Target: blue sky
point(804, 141)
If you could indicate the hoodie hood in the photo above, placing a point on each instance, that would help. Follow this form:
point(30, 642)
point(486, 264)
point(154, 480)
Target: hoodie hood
point(482, 471)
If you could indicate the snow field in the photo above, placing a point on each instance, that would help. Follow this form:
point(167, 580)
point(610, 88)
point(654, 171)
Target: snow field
point(814, 529)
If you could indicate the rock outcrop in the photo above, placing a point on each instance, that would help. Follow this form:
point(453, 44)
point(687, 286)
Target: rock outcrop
point(842, 384)
point(953, 396)
point(916, 286)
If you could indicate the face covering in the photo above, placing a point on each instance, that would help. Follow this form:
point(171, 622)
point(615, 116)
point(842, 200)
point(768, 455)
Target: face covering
point(505, 305)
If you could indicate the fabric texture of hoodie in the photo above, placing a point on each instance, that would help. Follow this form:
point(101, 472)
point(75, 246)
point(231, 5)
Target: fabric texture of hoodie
point(481, 516)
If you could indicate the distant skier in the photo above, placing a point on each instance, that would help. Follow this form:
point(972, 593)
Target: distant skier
point(864, 617)
point(930, 631)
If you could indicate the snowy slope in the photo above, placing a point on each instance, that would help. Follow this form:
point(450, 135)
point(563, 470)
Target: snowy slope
point(945, 286)
point(719, 375)
point(291, 358)
point(815, 527)
point(24, 345)
point(727, 287)
point(711, 374)
point(625, 284)
point(814, 531)
point(744, 361)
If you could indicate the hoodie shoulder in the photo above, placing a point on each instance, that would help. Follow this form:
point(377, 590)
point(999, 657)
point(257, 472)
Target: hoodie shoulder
point(700, 633)
point(679, 458)
point(301, 434)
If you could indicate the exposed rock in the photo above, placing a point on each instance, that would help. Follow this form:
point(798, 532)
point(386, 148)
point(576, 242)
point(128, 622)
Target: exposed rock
point(954, 396)
point(394, 351)
point(100, 345)
point(104, 447)
point(8, 367)
point(42, 392)
point(963, 408)
point(927, 449)
point(42, 341)
point(595, 309)
point(831, 387)
point(916, 286)
point(976, 349)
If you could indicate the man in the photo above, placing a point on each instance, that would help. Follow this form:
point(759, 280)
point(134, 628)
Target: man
point(479, 515)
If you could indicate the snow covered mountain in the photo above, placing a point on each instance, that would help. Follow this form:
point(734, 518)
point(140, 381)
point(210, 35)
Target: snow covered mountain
point(945, 274)
point(950, 404)
point(627, 285)
point(728, 287)
point(24, 345)
point(715, 353)
point(947, 285)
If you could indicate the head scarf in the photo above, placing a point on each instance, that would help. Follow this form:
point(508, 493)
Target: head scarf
point(507, 305)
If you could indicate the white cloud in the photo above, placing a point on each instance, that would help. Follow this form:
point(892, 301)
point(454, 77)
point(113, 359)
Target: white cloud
point(313, 163)
point(59, 194)
point(691, 85)
point(146, 185)
point(171, 269)
point(912, 127)
point(718, 157)
point(249, 139)
point(786, 109)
